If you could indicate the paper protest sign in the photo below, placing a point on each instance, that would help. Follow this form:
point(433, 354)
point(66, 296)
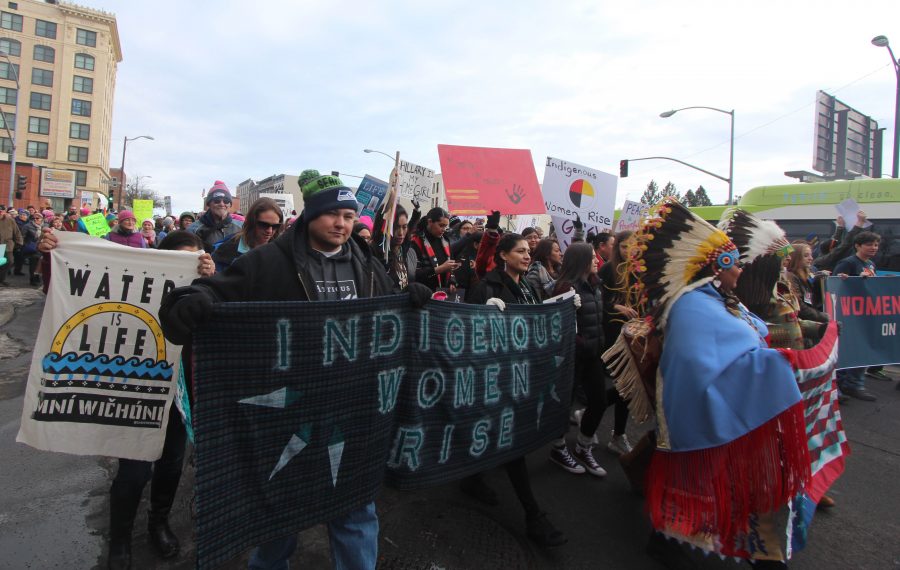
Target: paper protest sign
point(478, 180)
point(848, 210)
point(415, 182)
point(102, 375)
point(565, 231)
point(630, 218)
point(370, 194)
point(143, 210)
point(523, 222)
point(571, 189)
point(284, 201)
point(96, 224)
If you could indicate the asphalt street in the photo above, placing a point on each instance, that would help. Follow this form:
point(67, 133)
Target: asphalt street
point(53, 507)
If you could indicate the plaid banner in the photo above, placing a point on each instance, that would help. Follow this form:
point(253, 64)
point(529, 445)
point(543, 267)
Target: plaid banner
point(302, 408)
point(827, 441)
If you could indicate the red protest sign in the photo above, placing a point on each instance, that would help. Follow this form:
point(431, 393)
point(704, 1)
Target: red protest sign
point(478, 180)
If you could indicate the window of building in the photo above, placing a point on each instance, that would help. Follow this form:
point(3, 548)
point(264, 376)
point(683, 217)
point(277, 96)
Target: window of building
point(84, 61)
point(8, 95)
point(45, 29)
point(40, 101)
point(44, 53)
point(83, 84)
point(11, 47)
point(80, 177)
point(79, 131)
point(39, 125)
point(8, 120)
point(10, 21)
point(86, 38)
point(5, 145)
point(37, 149)
point(81, 108)
point(78, 154)
point(7, 73)
point(42, 77)
point(13, 5)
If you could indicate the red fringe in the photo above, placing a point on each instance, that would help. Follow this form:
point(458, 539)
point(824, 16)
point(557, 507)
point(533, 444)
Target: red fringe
point(714, 491)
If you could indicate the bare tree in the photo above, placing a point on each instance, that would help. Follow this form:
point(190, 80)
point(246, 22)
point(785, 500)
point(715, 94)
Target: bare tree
point(139, 190)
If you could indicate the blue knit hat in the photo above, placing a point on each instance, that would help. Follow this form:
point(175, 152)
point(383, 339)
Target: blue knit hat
point(324, 193)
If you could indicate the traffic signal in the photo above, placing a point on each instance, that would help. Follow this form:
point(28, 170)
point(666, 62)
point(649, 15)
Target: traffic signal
point(623, 169)
point(22, 183)
point(110, 200)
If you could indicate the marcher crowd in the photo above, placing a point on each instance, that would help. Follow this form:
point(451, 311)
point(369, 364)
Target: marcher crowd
point(762, 297)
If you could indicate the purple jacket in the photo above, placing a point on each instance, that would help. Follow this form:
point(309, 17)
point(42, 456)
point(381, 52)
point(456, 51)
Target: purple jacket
point(134, 239)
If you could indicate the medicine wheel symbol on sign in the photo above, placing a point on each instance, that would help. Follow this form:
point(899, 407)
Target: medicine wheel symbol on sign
point(578, 190)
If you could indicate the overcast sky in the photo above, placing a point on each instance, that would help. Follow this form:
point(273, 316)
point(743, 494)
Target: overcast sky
point(237, 90)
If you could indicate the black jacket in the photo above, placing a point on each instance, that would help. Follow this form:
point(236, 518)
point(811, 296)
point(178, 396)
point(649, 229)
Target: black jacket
point(270, 273)
point(496, 284)
point(589, 317)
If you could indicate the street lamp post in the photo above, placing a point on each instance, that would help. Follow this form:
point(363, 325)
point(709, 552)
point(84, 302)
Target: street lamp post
point(668, 114)
point(120, 185)
point(12, 134)
point(369, 150)
point(882, 41)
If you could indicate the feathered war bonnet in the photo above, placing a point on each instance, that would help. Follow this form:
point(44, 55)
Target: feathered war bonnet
point(674, 253)
point(763, 247)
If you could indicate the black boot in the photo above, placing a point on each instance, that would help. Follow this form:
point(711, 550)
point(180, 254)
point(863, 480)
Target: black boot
point(119, 555)
point(542, 531)
point(475, 487)
point(162, 537)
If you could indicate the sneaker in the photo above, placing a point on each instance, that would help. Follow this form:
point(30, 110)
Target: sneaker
point(618, 444)
point(878, 375)
point(586, 456)
point(542, 531)
point(860, 394)
point(562, 457)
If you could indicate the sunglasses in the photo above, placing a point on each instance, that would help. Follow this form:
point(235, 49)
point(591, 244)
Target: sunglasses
point(267, 226)
point(220, 201)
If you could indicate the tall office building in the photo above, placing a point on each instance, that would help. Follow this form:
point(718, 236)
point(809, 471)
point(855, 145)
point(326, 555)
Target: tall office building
point(65, 57)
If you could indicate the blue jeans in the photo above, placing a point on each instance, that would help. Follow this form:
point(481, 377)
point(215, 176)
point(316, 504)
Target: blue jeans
point(354, 544)
point(851, 378)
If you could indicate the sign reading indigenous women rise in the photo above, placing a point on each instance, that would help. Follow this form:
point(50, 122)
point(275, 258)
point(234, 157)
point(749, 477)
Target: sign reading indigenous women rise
point(102, 376)
point(868, 309)
point(302, 409)
point(571, 189)
point(478, 180)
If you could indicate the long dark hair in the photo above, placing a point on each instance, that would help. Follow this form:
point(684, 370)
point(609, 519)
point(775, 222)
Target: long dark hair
point(506, 245)
point(576, 265)
point(542, 253)
point(181, 238)
point(248, 232)
point(434, 215)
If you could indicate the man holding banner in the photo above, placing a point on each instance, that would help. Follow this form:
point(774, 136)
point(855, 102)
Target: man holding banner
point(316, 259)
point(852, 381)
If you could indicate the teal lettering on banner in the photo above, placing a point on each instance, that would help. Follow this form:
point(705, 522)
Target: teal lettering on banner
point(540, 331)
point(480, 439)
point(284, 343)
point(499, 340)
point(455, 336)
point(423, 332)
point(429, 395)
point(520, 333)
point(407, 444)
point(388, 388)
point(445, 444)
point(479, 342)
point(464, 394)
point(505, 437)
point(382, 321)
point(491, 389)
point(520, 380)
point(556, 327)
point(344, 336)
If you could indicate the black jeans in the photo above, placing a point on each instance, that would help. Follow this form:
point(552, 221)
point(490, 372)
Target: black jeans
point(591, 373)
point(164, 474)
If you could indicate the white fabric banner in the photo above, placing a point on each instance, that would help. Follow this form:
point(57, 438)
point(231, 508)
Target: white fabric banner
point(102, 375)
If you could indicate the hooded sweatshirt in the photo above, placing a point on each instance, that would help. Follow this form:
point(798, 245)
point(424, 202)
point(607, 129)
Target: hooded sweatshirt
point(333, 273)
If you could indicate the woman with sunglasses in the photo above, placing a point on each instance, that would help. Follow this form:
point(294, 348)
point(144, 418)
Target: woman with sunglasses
point(264, 222)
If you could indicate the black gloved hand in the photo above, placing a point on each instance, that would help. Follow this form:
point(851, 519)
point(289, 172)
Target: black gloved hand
point(578, 225)
point(186, 314)
point(493, 221)
point(415, 204)
point(418, 294)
